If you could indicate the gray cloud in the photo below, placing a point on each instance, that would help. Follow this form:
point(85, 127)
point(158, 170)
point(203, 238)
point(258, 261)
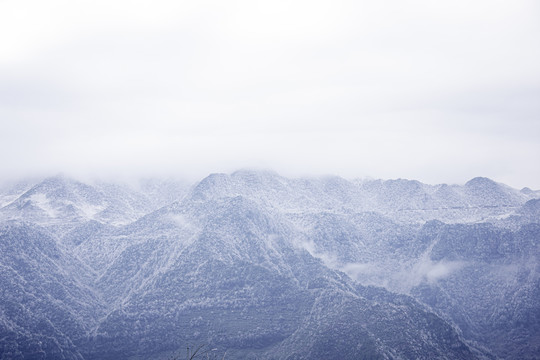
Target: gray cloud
point(440, 92)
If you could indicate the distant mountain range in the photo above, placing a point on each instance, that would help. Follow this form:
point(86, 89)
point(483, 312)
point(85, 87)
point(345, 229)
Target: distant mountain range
point(260, 266)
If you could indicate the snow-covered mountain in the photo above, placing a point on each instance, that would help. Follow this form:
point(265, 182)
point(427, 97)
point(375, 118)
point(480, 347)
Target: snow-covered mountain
point(11, 190)
point(62, 203)
point(265, 267)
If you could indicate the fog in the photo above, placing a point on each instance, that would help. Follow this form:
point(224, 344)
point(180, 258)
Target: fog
point(439, 92)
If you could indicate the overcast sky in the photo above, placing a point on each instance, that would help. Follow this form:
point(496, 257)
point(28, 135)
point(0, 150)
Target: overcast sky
point(439, 91)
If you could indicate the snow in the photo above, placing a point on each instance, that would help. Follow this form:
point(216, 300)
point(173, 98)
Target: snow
point(90, 210)
point(42, 202)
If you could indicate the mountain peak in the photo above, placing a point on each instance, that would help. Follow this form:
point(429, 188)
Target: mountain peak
point(480, 181)
point(254, 172)
point(211, 185)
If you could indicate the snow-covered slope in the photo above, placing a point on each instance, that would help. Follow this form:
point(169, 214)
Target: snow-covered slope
point(268, 267)
point(61, 203)
point(228, 272)
point(47, 308)
point(11, 190)
point(405, 201)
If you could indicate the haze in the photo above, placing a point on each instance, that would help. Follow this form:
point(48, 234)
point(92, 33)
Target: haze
point(434, 91)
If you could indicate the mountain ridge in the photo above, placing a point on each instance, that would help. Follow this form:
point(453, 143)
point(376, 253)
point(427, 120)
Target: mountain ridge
point(253, 263)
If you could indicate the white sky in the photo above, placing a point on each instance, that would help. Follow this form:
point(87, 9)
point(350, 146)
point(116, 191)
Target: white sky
point(439, 91)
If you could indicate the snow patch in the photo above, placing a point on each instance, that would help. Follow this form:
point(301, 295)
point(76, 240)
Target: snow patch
point(91, 210)
point(41, 201)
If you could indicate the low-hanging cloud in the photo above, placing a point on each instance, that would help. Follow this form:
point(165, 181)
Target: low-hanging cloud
point(356, 88)
point(427, 271)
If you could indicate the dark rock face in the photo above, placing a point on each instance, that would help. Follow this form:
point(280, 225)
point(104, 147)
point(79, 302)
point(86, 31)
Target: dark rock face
point(264, 267)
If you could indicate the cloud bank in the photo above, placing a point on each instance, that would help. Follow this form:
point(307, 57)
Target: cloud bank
point(439, 92)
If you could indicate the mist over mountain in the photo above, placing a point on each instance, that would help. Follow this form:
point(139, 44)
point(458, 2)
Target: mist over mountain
point(261, 266)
